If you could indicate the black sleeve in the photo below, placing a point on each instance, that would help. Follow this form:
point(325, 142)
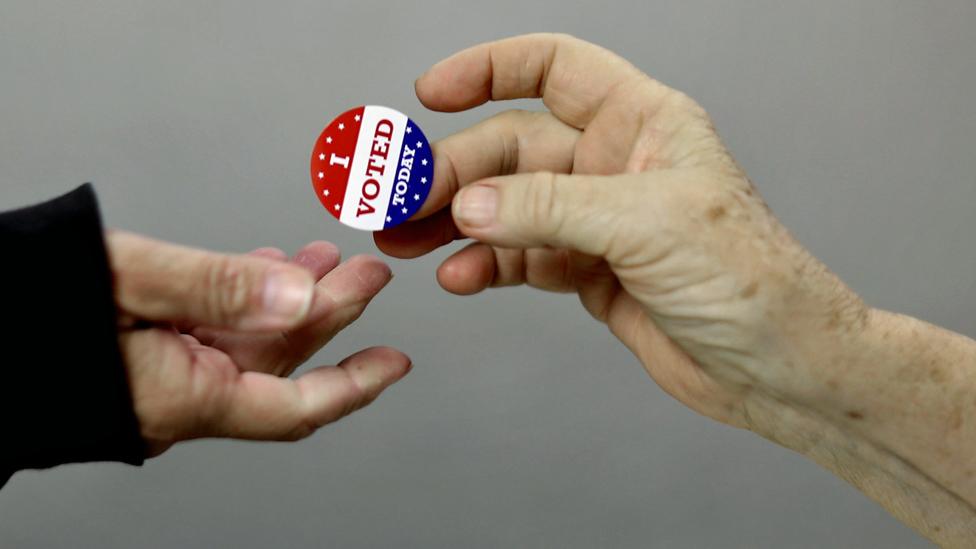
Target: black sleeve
point(65, 396)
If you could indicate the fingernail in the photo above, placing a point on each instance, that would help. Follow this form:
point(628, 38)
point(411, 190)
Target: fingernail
point(476, 206)
point(287, 293)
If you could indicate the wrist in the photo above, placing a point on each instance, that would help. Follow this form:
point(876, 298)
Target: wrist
point(887, 409)
point(898, 485)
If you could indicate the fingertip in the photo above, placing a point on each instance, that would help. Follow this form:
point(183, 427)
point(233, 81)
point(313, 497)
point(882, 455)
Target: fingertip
point(389, 356)
point(269, 252)
point(426, 89)
point(376, 368)
point(390, 243)
point(419, 237)
point(318, 257)
point(371, 271)
point(323, 247)
point(371, 260)
point(456, 83)
point(469, 271)
point(452, 282)
point(418, 89)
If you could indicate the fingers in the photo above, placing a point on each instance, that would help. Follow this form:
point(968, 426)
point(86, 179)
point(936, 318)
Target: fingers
point(416, 238)
point(582, 213)
point(511, 142)
point(341, 296)
point(318, 257)
point(265, 407)
point(271, 253)
point(468, 271)
point(163, 282)
point(479, 266)
point(571, 76)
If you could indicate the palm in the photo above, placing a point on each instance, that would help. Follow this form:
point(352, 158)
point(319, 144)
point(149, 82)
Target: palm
point(184, 378)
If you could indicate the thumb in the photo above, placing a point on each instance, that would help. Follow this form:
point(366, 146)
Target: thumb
point(579, 212)
point(164, 282)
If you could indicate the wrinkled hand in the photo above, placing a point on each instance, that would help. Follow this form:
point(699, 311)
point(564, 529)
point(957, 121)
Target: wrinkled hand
point(209, 339)
point(623, 193)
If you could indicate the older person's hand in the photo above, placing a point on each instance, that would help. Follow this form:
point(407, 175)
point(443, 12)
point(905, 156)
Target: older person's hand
point(209, 339)
point(623, 193)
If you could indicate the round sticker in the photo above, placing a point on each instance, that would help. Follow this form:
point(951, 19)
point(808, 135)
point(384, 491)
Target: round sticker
point(372, 168)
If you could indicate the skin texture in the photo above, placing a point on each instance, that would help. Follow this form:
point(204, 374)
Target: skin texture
point(622, 192)
point(208, 356)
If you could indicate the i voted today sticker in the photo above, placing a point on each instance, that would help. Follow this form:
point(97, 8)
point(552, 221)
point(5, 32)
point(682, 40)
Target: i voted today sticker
point(372, 168)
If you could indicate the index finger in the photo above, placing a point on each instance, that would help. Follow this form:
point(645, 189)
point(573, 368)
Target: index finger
point(571, 76)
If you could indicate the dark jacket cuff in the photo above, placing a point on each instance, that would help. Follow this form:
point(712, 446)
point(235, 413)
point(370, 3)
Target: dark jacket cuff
point(65, 393)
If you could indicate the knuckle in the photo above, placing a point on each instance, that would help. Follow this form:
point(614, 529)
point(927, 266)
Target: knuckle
point(303, 421)
point(543, 209)
point(357, 397)
point(563, 38)
point(682, 102)
point(229, 291)
point(507, 126)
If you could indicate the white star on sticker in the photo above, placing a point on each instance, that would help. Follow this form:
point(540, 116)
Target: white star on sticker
point(328, 140)
point(325, 192)
point(420, 144)
point(409, 129)
point(342, 126)
point(424, 162)
point(404, 210)
point(322, 156)
point(423, 180)
point(337, 206)
point(321, 175)
point(388, 219)
point(416, 197)
point(357, 118)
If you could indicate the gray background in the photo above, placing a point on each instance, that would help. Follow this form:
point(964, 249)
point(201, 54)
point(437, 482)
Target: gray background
point(524, 423)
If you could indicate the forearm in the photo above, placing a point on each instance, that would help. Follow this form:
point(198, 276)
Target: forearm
point(900, 487)
point(916, 387)
point(897, 420)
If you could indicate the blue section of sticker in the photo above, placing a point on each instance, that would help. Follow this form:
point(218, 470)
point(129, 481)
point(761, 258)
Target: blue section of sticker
point(414, 176)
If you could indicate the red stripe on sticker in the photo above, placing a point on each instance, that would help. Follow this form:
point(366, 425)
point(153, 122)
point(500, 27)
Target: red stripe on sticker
point(332, 159)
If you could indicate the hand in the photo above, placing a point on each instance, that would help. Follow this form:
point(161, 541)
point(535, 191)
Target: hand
point(209, 339)
point(624, 194)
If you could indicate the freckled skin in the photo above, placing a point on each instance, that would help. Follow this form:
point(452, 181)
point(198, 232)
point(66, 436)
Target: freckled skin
point(955, 419)
point(750, 290)
point(624, 194)
point(716, 213)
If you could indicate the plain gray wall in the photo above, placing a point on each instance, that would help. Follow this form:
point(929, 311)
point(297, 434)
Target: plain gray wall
point(524, 422)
